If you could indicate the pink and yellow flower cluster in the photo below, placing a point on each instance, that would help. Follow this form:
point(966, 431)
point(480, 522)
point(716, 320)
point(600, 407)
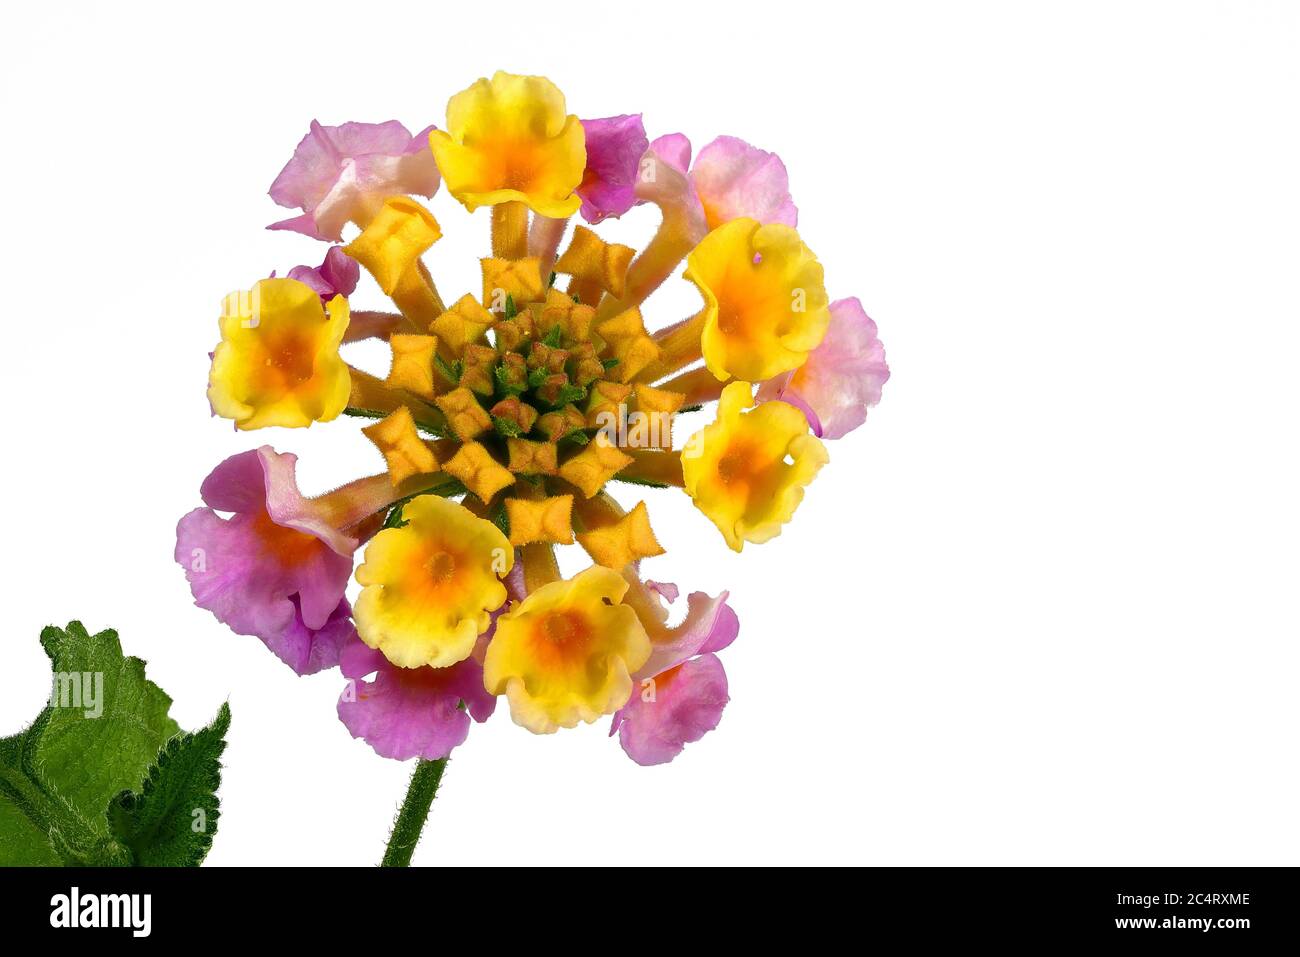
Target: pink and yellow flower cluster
point(507, 414)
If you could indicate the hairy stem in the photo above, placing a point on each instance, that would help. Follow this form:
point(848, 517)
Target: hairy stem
point(414, 811)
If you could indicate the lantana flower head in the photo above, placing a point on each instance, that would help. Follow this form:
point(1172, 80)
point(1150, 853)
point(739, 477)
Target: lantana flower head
point(510, 421)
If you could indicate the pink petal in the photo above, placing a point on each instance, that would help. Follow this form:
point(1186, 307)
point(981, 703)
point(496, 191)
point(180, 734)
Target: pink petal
point(357, 660)
point(681, 706)
point(240, 568)
point(662, 180)
point(305, 224)
point(238, 484)
point(320, 156)
point(336, 276)
point(231, 576)
point(674, 149)
point(338, 171)
point(843, 376)
point(734, 179)
point(288, 507)
point(667, 590)
point(412, 712)
point(615, 146)
point(340, 271)
point(309, 650)
point(710, 625)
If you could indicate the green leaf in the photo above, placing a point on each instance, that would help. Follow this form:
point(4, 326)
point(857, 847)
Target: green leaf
point(511, 310)
point(452, 370)
point(394, 517)
point(570, 393)
point(554, 337)
point(504, 386)
point(609, 363)
point(360, 413)
point(648, 483)
point(446, 490)
point(171, 822)
point(24, 839)
point(507, 427)
point(420, 424)
point(132, 722)
point(24, 810)
point(500, 518)
point(100, 735)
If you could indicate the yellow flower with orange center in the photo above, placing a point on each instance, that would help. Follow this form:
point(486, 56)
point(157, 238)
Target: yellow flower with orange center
point(510, 139)
point(278, 361)
point(747, 470)
point(430, 586)
point(765, 303)
point(567, 652)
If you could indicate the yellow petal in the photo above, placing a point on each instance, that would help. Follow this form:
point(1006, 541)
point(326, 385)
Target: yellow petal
point(278, 360)
point(547, 520)
point(394, 240)
point(430, 586)
point(517, 279)
point(531, 458)
point(658, 406)
point(412, 366)
point(629, 343)
point(508, 139)
point(573, 318)
point(464, 323)
point(595, 265)
point(736, 468)
point(606, 404)
point(398, 441)
point(567, 652)
point(466, 417)
point(596, 464)
point(765, 304)
point(627, 540)
point(478, 471)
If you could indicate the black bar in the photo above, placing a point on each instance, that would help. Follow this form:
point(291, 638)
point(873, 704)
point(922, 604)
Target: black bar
point(1227, 907)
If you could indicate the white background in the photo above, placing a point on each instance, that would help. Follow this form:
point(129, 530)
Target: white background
point(1040, 609)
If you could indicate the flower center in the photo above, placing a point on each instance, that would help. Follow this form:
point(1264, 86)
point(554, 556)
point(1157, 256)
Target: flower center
point(734, 465)
point(730, 320)
point(563, 628)
point(292, 359)
point(441, 567)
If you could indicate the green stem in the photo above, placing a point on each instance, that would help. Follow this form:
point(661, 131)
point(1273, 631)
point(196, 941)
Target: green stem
point(414, 810)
